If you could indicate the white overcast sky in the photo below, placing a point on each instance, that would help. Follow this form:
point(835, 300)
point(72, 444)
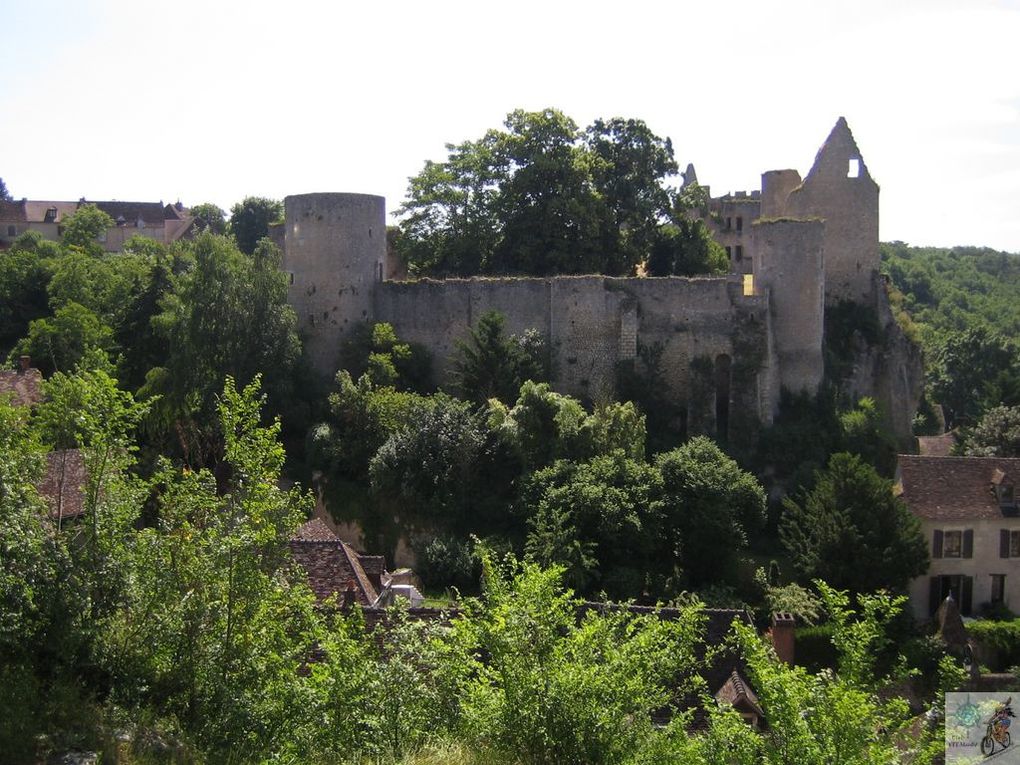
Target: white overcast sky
point(214, 101)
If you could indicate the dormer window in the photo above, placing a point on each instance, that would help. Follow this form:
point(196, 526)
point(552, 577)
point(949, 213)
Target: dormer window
point(51, 215)
point(1002, 486)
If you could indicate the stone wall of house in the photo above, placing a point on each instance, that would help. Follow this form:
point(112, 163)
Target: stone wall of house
point(984, 562)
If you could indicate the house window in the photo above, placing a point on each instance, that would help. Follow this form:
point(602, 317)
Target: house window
point(998, 588)
point(729, 223)
point(740, 223)
point(740, 251)
point(12, 230)
point(1009, 543)
point(952, 544)
point(729, 253)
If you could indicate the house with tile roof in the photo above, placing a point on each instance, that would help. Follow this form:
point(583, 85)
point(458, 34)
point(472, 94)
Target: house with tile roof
point(164, 223)
point(333, 566)
point(969, 515)
point(23, 385)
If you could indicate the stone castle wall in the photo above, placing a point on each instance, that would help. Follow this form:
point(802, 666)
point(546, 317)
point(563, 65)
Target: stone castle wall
point(592, 323)
point(742, 337)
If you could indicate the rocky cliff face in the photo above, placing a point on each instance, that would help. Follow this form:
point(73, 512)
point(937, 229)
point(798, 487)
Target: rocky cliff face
point(889, 370)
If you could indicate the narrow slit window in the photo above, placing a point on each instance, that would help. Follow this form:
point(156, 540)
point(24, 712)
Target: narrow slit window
point(853, 168)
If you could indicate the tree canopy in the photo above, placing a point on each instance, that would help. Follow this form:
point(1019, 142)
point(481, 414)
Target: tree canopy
point(851, 531)
point(250, 220)
point(545, 197)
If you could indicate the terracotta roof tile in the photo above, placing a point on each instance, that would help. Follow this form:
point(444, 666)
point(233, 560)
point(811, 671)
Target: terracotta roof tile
point(52, 211)
point(953, 488)
point(63, 484)
point(332, 565)
point(737, 692)
point(24, 386)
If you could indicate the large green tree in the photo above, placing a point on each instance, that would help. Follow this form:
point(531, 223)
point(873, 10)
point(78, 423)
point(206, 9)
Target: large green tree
point(84, 228)
point(709, 509)
point(596, 520)
point(491, 364)
point(851, 531)
point(227, 316)
point(210, 217)
point(250, 220)
point(971, 371)
point(541, 196)
point(997, 434)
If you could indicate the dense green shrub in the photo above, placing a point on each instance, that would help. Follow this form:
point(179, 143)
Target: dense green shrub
point(1003, 638)
point(814, 649)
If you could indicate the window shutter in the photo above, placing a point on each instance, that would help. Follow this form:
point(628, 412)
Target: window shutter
point(936, 544)
point(968, 592)
point(934, 596)
point(968, 543)
point(1003, 543)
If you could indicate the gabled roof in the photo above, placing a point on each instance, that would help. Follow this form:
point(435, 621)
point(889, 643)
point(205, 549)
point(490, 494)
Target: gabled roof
point(63, 484)
point(24, 386)
point(954, 488)
point(331, 564)
point(738, 693)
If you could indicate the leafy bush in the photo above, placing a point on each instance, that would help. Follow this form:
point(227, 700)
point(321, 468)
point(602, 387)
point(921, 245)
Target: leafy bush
point(1002, 637)
point(814, 649)
point(444, 561)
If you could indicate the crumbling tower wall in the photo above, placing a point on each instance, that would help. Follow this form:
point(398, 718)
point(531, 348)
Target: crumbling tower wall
point(334, 248)
point(791, 266)
point(840, 190)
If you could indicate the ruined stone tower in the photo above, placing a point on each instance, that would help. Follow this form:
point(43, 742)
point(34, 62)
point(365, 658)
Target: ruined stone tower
point(839, 190)
point(334, 247)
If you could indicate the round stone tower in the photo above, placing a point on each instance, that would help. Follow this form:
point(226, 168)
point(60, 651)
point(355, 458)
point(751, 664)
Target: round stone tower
point(334, 247)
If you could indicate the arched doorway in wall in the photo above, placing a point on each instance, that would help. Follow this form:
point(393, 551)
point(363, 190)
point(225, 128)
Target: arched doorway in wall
point(722, 397)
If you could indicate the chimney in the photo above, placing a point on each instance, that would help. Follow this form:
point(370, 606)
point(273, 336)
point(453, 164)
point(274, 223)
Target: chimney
point(26, 364)
point(782, 635)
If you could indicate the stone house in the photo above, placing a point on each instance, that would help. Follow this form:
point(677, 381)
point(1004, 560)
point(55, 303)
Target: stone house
point(164, 223)
point(334, 568)
point(969, 517)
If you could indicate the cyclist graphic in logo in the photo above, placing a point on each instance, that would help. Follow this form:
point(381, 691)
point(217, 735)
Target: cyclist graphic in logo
point(997, 732)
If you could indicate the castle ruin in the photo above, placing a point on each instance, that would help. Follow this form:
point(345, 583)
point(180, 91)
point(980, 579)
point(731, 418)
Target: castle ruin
point(726, 345)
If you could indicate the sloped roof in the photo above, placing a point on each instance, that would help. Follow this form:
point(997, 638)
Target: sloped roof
point(331, 564)
point(953, 488)
point(63, 484)
point(52, 211)
point(24, 386)
point(737, 692)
